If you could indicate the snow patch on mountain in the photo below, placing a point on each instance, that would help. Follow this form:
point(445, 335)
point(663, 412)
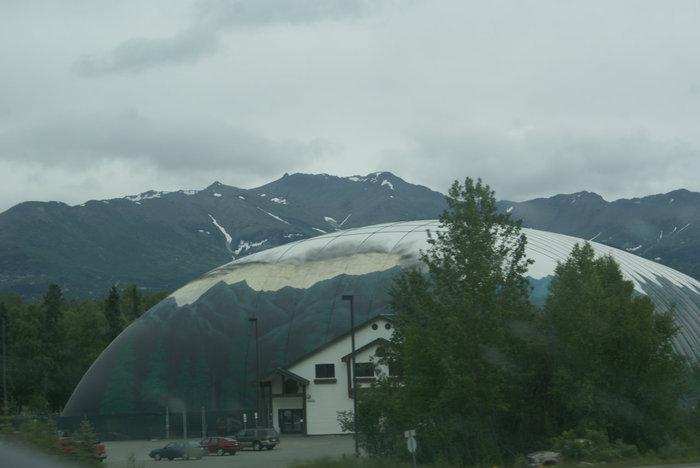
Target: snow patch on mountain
point(274, 216)
point(154, 194)
point(319, 230)
point(241, 197)
point(229, 239)
point(247, 245)
point(634, 249)
point(684, 227)
point(386, 182)
point(373, 178)
point(281, 201)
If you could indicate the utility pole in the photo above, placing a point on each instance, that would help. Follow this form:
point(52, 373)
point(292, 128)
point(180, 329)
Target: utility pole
point(354, 378)
point(257, 369)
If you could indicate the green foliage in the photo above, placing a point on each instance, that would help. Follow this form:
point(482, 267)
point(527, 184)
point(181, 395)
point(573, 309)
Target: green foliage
point(113, 314)
point(611, 365)
point(85, 440)
point(42, 435)
point(484, 377)
point(592, 447)
point(451, 345)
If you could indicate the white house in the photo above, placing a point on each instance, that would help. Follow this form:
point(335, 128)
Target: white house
point(305, 396)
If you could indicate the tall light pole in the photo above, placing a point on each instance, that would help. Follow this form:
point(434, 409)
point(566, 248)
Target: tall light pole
point(354, 378)
point(257, 367)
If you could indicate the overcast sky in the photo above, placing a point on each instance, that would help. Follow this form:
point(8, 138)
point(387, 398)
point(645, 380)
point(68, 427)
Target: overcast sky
point(102, 99)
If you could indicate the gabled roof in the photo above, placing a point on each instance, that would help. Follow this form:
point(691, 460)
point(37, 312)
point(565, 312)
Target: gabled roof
point(284, 372)
point(375, 342)
point(387, 317)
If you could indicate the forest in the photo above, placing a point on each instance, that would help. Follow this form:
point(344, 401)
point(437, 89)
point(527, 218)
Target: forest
point(48, 346)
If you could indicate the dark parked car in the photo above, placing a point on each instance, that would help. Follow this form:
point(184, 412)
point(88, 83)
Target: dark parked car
point(221, 445)
point(258, 438)
point(179, 449)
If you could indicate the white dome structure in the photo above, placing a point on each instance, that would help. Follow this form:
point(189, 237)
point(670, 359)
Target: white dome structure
point(196, 347)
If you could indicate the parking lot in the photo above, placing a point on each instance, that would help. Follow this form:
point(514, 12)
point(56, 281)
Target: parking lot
point(291, 448)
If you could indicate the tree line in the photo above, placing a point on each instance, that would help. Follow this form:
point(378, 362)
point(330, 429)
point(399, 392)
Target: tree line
point(484, 375)
point(51, 344)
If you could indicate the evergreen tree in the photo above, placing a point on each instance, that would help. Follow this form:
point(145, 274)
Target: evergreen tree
point(115, 321)
point(119, 395)
point(154, 390)
point(184, 385)
point(85, 440)
point(131, 303)
point(53, 302)
point(201, 387)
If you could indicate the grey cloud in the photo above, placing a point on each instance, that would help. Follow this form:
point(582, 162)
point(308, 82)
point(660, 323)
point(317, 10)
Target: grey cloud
point(172, 146)
point(138, 54)
point(202, 38)
point(226, 13)
point(520, 168)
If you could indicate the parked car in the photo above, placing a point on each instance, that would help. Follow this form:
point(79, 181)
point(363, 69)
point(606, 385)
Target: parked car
point(68, 444)
point(221, 445)
point(545, 458)
point(179, 449)
point(258, 438)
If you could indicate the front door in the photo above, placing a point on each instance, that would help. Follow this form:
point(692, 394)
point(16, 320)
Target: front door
point(290, 421)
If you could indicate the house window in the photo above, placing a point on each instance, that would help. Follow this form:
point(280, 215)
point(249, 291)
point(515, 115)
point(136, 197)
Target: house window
point(325, 371)
point(364, 369)
point(291, 386)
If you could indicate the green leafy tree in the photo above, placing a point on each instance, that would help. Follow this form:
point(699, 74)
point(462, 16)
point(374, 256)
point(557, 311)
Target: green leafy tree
point(611, 364)
point(451, 344)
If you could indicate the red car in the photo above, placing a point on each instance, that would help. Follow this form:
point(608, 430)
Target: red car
point(68, 444)
point(221, 445)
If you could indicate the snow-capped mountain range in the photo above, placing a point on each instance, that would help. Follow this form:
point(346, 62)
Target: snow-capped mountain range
point(162, 240)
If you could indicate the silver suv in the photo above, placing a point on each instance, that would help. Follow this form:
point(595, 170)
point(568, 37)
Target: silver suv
point(258, 439)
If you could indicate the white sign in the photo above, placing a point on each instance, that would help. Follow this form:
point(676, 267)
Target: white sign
point(245, 417)
point(411, 444)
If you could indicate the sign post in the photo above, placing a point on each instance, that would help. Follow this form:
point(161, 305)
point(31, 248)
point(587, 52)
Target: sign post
point(411, 443)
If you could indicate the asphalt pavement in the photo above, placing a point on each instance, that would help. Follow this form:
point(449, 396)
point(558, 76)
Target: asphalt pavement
point(292, 448)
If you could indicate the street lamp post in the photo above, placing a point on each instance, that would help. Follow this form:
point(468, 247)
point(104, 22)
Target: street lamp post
point(257, 367)
point(354, 378)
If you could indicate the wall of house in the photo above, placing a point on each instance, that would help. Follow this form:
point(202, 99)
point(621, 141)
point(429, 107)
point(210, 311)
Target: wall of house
point(326, 399)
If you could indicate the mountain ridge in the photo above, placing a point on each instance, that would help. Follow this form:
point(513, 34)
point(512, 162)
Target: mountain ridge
point(162, 240)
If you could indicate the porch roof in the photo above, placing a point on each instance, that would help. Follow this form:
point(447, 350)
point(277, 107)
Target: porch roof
point(285, 373)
